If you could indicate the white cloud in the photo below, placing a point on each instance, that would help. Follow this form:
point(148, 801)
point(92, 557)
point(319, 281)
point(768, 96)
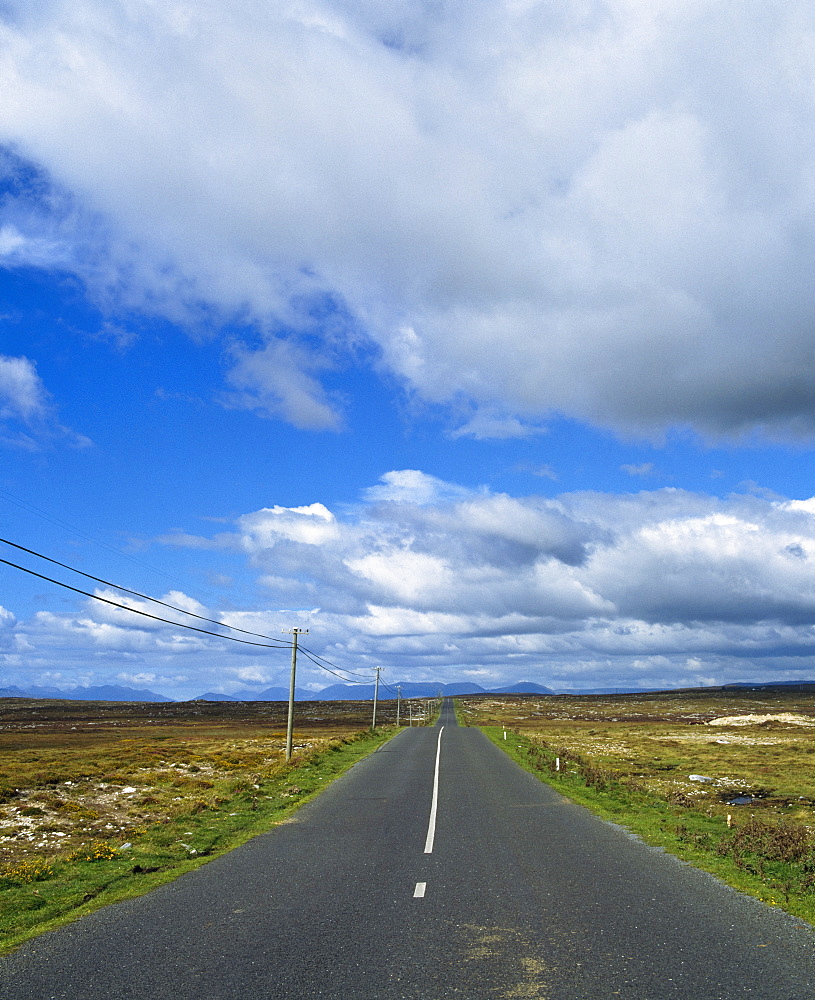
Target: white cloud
point(18, 250)
point(807, 505)
point(22, 395)
point(274, 382)
point(27, 413)
point(603, 211)
point(402, 575)
point(413, 487)
point(310, 525)
point(253, 675)
point(406, 621)
point(138, 679)
point(660, 588)
point(487, 425)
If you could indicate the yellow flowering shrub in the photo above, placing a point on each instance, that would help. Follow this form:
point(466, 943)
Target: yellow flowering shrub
point(29, 870)
point(99, 850)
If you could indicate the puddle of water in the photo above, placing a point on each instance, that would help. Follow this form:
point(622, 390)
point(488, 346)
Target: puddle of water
point(741, 800)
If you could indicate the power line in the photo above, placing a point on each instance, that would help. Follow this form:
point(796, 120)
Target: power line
point(136, 593)
point(307, 654)
point(318, 660)
point(135, 611)
point(324, 660)
point(314, 657)
point(39, 512)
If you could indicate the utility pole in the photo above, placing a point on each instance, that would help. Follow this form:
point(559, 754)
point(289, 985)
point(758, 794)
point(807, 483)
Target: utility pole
point(398, 701)
point(376, 696)
point(290, 724)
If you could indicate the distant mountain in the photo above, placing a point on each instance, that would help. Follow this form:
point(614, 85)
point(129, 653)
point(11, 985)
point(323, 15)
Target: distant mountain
point(365, 692)
point(271, 694)
point(522, 687)
point(360, 692)
point(450, 690)
point(334, 692)
point(342, 692)
point(278, 694)
point(37, 692)
point(102, 692)
point(763, 685)
point(13, 692)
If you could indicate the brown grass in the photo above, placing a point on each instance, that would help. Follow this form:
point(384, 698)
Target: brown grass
point(74, 773)
point(660, 740)
point(672, 768)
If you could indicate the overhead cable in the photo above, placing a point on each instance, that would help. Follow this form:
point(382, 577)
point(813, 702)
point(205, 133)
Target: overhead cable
point(314, 660)
point(135, 611)
point(136, 593)
point(324, 660)
point(39, 512)
point(319, 661)
point(278, 643)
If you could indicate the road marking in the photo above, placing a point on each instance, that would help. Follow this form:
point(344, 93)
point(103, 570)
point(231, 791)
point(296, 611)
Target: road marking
point(431, 827)
point(418, 892)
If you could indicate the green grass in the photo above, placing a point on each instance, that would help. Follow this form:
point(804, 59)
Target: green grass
point(41, 892)
point(767, 856)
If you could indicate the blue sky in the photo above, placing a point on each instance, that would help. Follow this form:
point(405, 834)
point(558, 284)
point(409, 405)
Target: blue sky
point(477, 340)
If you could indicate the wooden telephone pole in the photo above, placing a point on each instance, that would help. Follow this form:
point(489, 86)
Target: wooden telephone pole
point(290, 724)
point(376, 696)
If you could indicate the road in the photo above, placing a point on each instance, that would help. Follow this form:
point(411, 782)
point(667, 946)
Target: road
point(506, 890)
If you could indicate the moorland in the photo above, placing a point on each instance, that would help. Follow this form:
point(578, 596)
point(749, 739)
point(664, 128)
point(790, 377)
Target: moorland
point(100, 801)
point(723, 779)
point(103, 800)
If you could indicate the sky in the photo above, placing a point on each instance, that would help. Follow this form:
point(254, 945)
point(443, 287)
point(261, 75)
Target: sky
point(477, 338)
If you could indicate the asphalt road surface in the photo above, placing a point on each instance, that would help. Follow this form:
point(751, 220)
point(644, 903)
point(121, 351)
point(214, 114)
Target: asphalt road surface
point(434, 870)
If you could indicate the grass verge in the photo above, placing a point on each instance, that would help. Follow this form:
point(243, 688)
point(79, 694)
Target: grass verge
point(39, 893)
point(771, 859)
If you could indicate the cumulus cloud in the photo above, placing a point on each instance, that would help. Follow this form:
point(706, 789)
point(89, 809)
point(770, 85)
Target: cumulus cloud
point(413, 487)
point(661, 557)
point(657, 588)
point(311, 525)
point(600, 210)
point(666, 584)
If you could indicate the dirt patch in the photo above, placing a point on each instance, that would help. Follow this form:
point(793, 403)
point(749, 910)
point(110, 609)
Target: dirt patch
point(785, 718)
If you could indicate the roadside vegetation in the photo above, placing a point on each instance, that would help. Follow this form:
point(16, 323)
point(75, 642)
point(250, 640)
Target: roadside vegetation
point(723, 781)
point(103, 801)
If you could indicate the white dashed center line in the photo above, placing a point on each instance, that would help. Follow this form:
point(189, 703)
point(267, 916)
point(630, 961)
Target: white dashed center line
point(418, 892)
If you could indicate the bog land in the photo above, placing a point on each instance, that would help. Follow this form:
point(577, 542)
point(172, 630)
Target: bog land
point(100, 801)
point(725, 781)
